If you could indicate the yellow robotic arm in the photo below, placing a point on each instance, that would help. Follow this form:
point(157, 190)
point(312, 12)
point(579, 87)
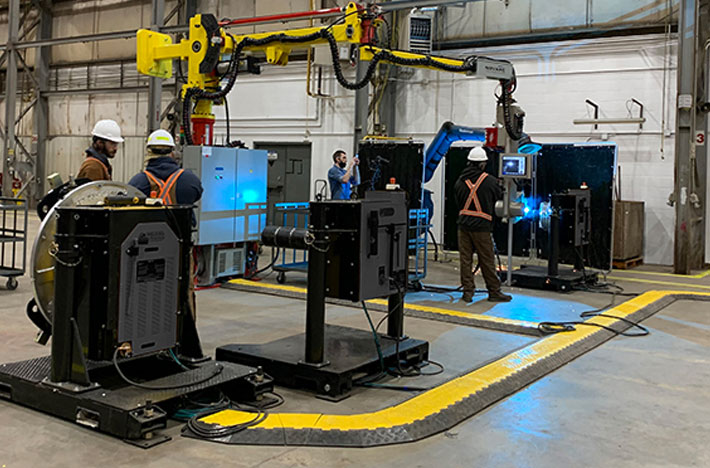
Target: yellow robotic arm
point(208, 42)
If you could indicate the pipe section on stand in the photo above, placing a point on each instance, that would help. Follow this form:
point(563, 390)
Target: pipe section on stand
point(285, 236)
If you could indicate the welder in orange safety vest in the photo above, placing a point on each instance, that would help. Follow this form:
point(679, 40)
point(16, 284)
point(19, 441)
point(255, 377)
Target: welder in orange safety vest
point(476, 194)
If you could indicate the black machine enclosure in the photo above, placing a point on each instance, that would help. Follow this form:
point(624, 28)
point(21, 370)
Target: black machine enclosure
point(367, 244)
point(98, 253)
point(570, 227)
point(122, 275)
point(357, 250)
point(573, 207)
point(382, 160)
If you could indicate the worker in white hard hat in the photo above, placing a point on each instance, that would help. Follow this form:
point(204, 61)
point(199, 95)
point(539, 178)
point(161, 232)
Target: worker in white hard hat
point(163, 178)
point(106, 136)
point(476, 195)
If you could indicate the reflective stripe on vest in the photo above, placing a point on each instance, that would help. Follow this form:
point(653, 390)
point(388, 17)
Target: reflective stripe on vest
point(473, 198)
point(165, 189)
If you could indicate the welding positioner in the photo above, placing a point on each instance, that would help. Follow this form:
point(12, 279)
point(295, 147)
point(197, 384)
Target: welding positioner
point(357, 250)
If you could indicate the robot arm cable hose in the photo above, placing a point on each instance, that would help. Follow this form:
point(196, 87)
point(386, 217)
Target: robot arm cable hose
point(196, 93)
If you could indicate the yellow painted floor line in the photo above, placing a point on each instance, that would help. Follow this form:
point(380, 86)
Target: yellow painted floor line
point(455, 390)
point(407, 306)
point(663, 283)
point(702, 274)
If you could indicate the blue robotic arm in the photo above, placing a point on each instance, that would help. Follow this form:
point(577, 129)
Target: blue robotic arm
point(448, 134)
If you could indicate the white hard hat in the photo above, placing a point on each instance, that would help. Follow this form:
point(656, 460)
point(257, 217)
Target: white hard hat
point(108, 130)
point(161, 138)
point(477, 154)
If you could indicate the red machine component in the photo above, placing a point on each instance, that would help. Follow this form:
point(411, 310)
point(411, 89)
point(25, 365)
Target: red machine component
point(283, 16)
point(491, 137)
point(202, 130)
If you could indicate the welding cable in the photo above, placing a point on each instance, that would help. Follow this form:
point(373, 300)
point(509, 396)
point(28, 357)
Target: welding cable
point(215, 431)
point(270, 265)
point(194, 408)
point(436, 246)
point(547, 328)
point(175, 358)
point(374, 334)
point(412, 371)
point(218, 370)
point(399, 289)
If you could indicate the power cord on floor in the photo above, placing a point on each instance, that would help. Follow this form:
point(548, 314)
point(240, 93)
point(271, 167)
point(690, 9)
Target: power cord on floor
point(607, 287)
point(270, 265)
point(218, 368)
point(195, 408)
point(547, 328)
point(411, 371)
point(215, 431)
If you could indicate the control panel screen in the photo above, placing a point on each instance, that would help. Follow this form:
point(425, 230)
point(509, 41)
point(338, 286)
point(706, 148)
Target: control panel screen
point(514, 166)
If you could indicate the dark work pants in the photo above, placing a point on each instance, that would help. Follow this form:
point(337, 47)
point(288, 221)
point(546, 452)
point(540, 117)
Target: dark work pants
point(482, 244)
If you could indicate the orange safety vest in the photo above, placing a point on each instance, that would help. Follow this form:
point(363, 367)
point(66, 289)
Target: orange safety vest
point(473, 198)
point(164, 189)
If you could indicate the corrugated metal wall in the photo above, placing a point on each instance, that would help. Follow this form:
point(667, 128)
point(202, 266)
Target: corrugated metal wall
point(510, 17)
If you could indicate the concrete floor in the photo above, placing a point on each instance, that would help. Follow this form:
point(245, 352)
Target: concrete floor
point(631, 402)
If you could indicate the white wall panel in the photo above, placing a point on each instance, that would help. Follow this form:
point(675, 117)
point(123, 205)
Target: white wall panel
point(500, 18)
point(549, 15)
point(632, 10)
point(508, 17)
point(466, 21)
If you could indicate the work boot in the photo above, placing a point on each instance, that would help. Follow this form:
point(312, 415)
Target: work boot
point(498, 296)
point(467, 297)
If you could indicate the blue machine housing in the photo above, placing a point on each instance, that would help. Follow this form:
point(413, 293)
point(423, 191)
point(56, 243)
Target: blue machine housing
point(447, 135)
point(234, 182)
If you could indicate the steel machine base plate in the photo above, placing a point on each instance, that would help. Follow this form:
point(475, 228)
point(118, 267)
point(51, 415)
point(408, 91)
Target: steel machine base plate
point(112, 406)
point(349, 353)
point(536, 277)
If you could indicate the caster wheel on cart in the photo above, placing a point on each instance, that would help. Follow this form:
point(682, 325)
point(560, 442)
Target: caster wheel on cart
point(11, 284)
point(281, 278)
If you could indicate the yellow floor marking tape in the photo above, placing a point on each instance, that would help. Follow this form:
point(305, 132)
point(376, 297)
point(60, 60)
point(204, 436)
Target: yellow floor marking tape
point(421, 308)
point(664, 283)
point(451, 392)
point(702, 274)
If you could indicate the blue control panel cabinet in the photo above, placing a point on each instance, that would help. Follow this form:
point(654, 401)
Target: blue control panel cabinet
point(233, 179)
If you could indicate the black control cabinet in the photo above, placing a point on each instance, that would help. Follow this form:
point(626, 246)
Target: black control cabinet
point(366, 244)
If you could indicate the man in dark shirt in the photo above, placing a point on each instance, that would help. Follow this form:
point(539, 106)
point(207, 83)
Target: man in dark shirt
point(343, 175)
point(164, 179)
point(476, 194)
point(106, 136)
point(163, 175)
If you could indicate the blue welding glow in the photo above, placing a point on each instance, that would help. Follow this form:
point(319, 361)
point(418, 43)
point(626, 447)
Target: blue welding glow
point(530, 148)
point(529, 207)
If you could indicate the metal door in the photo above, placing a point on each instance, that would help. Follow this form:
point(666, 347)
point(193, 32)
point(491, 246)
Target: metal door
point(289, 176)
